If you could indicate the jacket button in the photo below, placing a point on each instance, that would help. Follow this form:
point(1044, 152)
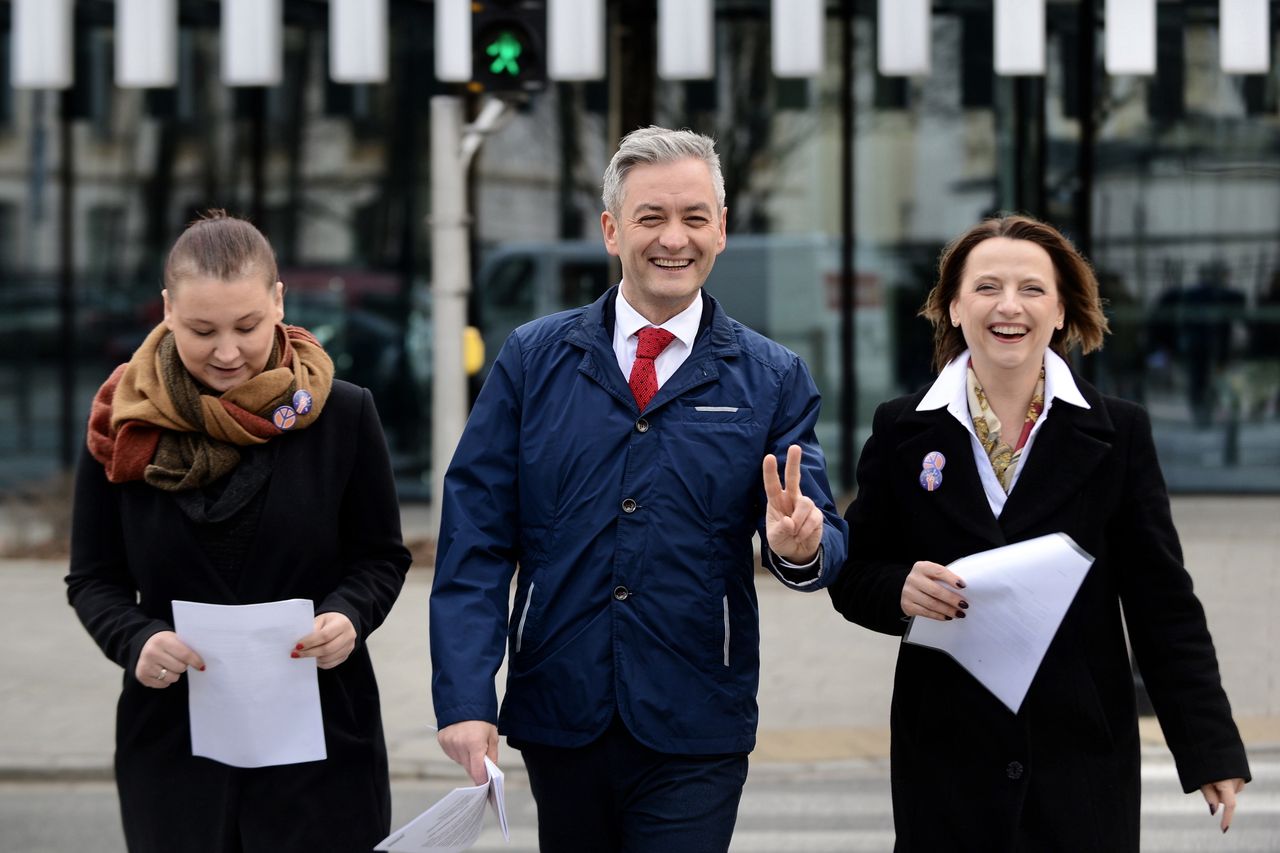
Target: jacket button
point(629, 506)
point(1014, 770)
point(642, 425)
point(621, 593)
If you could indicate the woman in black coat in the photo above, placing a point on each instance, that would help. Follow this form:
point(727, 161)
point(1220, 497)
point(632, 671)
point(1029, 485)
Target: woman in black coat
point(225, 465)
point(940, 479)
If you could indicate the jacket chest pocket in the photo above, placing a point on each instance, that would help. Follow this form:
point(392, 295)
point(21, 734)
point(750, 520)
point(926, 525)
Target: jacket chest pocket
point(713, 413)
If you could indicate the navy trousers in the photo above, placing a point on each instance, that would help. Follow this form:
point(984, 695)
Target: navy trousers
point(616, 795)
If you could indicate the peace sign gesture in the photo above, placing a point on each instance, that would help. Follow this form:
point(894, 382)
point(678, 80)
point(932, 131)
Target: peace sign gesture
point(792, 522)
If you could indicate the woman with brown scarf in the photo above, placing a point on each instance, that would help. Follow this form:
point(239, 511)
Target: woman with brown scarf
point(224, 464)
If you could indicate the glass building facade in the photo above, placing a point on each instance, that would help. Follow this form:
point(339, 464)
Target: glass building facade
point(1169, 182)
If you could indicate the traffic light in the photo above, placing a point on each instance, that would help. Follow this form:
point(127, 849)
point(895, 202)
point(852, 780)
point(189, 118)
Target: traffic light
point(508, 50)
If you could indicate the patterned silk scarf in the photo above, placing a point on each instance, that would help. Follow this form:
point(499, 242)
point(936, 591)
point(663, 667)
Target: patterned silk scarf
point(1004, 459)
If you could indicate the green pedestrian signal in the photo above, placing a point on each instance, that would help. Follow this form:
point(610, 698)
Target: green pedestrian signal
point(505, 50)
point(508, 46)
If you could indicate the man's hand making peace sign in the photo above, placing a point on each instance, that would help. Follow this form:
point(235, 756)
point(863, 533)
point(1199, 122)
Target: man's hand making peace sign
point(792, 522)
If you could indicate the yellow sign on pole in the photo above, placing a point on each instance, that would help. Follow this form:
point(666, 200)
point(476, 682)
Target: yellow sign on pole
point(472, 350)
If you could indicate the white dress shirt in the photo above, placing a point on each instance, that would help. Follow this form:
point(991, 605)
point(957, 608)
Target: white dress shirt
point(951, 390)
point(627, 321)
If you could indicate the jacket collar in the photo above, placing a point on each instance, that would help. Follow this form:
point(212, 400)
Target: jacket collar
point(593, 334)
point(1072, 442)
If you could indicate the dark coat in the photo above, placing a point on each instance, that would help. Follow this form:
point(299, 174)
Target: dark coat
point(1063, 774)
point(330, 532)
point(636, 590)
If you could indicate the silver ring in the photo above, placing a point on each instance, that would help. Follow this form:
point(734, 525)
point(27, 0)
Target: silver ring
point(163, 673)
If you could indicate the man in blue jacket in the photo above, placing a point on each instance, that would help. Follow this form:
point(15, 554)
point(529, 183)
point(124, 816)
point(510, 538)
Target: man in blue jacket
point(612, 456)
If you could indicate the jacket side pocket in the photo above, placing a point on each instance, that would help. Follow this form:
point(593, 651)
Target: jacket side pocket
point(726, 630)
point(524, 614)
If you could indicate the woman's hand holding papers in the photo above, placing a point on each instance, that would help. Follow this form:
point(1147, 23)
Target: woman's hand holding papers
point(930, 592)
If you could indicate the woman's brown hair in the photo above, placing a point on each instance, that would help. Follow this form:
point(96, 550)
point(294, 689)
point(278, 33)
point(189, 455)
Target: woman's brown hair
point(1084, 323)
point(222, 247)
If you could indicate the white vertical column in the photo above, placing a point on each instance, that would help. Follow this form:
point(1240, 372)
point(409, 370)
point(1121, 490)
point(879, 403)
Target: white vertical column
point(575, 39)
point(1020, 37)
point(42, 44)
point(799, 40)
point(686, 39)
point(450, 283)
point(1130, 36)
point(453, 41)
point(252, 42)
point(146, 43)
point(1244, 36)
point(903, 39)
point(358, 41)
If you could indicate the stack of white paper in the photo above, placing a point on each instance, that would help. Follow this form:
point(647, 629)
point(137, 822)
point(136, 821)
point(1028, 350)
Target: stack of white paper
point(254, 705)
point(1017, 597)
point(454, 823)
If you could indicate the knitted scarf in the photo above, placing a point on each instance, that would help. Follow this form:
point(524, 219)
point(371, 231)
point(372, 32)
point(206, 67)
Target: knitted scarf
point(152, 421)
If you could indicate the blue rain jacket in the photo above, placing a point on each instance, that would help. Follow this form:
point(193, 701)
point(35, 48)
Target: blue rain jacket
point(632, 533)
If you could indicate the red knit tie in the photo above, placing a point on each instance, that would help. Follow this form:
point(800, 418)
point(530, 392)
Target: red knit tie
point(644, 379)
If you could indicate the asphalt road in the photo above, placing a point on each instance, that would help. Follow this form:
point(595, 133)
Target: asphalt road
point(818, 808)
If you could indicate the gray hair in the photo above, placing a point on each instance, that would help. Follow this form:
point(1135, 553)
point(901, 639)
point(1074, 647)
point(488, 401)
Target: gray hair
point(651, 145)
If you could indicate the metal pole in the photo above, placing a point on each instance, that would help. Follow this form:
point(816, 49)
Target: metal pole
point(848, 356)
point(1086, 59)
point(68, 426)
point(450, 283)
point(452, 148)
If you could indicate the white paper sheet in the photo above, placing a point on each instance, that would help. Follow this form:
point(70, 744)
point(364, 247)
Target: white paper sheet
point(453, 824)
point(254, 705)
point(1017, 597)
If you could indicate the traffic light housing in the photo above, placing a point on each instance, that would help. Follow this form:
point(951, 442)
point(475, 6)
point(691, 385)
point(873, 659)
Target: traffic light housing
point(508, 50)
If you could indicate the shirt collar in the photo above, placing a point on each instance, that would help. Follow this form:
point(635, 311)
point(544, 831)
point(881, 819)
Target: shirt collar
point(684, 325)
point(1059, 383)
point(950, 389)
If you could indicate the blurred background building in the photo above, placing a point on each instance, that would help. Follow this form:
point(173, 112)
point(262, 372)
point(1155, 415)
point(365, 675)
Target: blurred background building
point(843, 182)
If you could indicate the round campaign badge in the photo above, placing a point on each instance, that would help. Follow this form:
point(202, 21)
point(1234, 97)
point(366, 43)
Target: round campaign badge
point(302, 401)
point(930, 479)
point(935, 460)
point(284, 417)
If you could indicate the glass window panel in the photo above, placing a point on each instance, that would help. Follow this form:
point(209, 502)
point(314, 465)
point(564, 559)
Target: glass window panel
point(1186, 210)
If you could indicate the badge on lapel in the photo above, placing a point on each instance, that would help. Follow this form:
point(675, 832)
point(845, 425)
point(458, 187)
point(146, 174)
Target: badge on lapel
point(931, 473)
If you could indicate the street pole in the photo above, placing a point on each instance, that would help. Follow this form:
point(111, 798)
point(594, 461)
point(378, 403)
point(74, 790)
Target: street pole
point(452, 147)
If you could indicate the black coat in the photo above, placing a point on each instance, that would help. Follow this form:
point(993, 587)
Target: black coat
point(1063, 774)
point(329, 531)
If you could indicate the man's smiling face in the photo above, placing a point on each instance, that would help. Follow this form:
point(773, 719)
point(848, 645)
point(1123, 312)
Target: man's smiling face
point(667, 235)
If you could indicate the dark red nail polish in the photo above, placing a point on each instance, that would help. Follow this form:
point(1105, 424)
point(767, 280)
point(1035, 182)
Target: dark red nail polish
point(964, 605)
point(1224, 829)
point(959, 614)
point(948, 618)
point(294, 655)
point(1211, 810)
point(202, 669)
point(298, 647)
point(960, 584)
